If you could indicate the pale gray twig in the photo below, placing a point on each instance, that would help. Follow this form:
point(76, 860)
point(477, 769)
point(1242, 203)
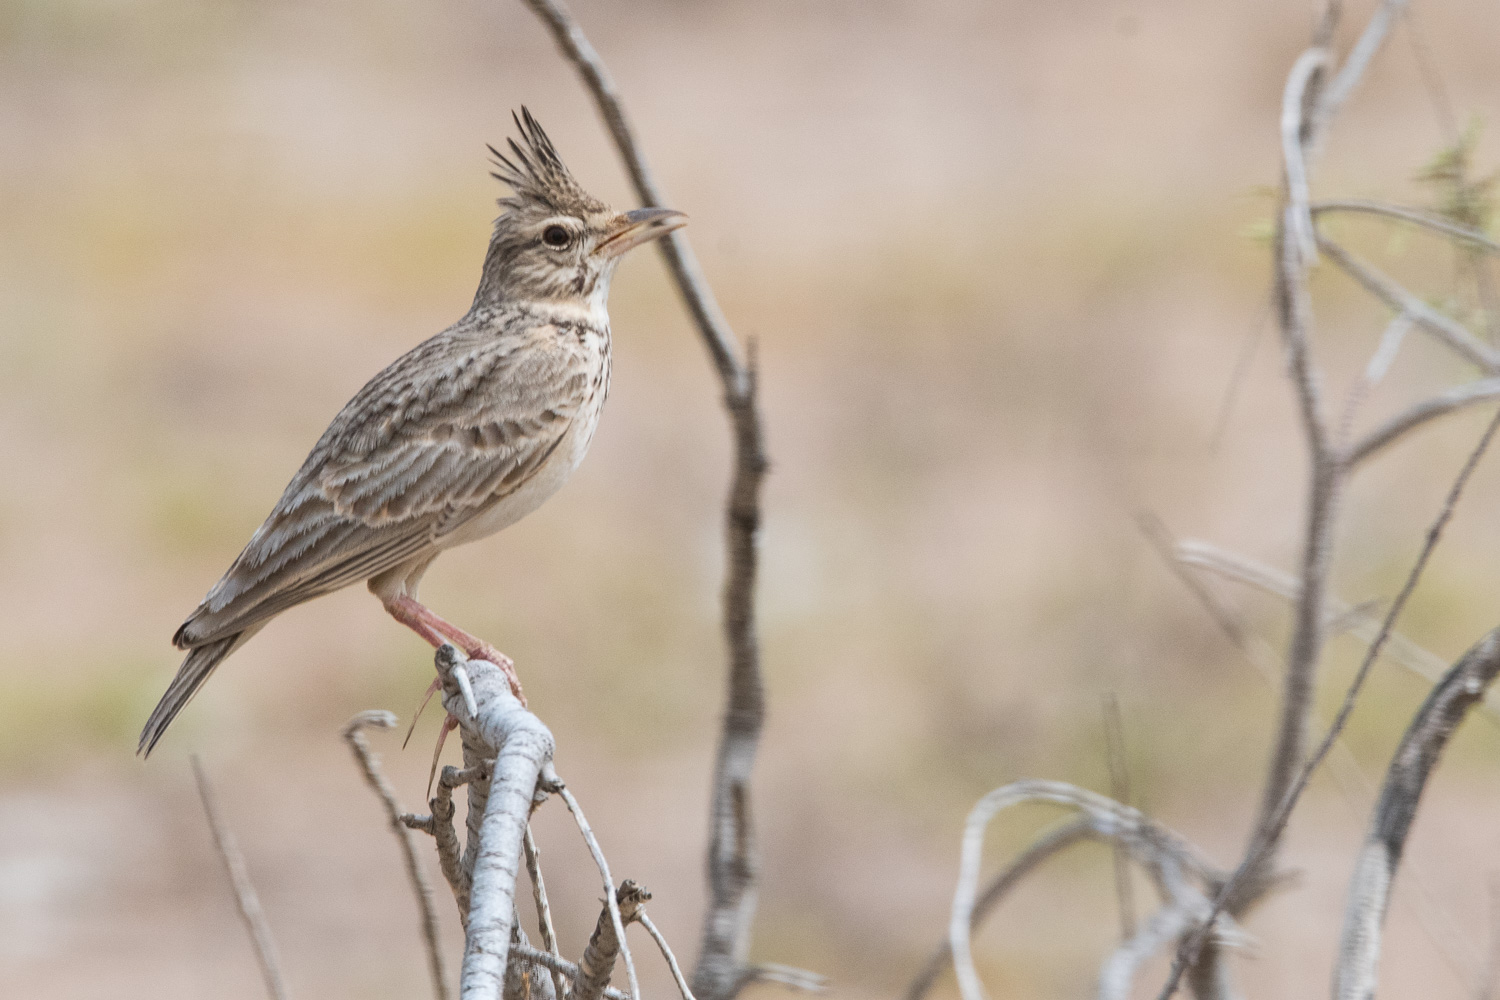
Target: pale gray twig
point(521, 979)
point(244, 890)
point(788, 976)
point(369, 765)
point(611, 902)
point(1119, 787)
point(1445, 329)
point(1270, 833)
point(1415, 216)
point(666, 954)
point(1117, 974)
point(731, 859)
point(520, 746)
point(561, 966)
point(1294, 145)
point(1055, 840)
point(1361, 622)
point(543, 908)
point(1482, 391)
point(1358, 60)
point(1356, 974)
point(1163, 854)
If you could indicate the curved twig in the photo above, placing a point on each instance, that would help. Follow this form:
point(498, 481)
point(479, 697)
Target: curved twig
point(611, 900)
point(369, 764)
point(1415, 216)
point(244, 889)
point(1052, 842)
point(1482, 391)
point(1165, 856)
point(1356, 974)
point(731, 853)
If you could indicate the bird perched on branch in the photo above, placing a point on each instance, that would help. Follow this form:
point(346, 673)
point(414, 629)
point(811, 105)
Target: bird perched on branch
point(463, 435)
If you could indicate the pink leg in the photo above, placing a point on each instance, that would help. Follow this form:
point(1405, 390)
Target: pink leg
point(426, 623)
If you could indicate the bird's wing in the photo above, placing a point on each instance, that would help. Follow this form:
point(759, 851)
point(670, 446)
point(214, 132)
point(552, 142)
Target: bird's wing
point(446, 431)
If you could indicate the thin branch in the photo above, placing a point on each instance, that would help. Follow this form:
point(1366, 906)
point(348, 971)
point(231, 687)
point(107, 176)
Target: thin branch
point(1054, 841)
point(1165, 856)
point(1119, 788)
point(1448, 331)
point(1117, 974)
point(1271, 832)
point(244, 890)
point(547, 960)
point(608, 940)
point(1294, 145)
point(369, 765)
point(731, 862)
point(611, 903)
point(666, 954)
point(1358, 60)
point(1360, 622)
point(1356, 974)
point(543, 908)
point(1415, 216)
point(1483, 391)
point(788, 976)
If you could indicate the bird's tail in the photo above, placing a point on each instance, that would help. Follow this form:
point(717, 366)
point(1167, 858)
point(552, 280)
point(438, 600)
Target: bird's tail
point(200, 662)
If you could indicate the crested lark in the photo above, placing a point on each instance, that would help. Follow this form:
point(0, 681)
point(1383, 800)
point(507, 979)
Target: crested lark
point(463, 435)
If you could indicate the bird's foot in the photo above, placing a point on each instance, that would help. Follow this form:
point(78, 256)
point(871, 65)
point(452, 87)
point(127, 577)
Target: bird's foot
point(481, 650)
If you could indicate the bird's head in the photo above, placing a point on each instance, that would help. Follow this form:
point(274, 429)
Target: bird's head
point(555, 241)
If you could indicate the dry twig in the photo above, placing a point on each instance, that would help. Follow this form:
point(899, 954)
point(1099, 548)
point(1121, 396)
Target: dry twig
point(520, 746)
point(369, 765)
point(731, 858)
point(1054, 841)
point(244, 889)
point(1369, 890)
point(611, 900)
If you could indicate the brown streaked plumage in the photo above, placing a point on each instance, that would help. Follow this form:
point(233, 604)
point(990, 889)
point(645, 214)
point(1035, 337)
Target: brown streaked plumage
point(463, 435)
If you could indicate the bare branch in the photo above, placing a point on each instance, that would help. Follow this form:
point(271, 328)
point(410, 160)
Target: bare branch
point(788, 976)
point(1483, 391)
point(1165, 856)
point(611, 902)
point(731, 861)
point(546, 960)
point(1448, 331)
point(1449, 703)
point(1270, 833)
point(1415, 216)
point(666, 954)
point(520, 746)
point(608, 939)
point(1360, 622)
point(1119, 787)
point(1054, 841)
point(1353, 69)
point(1294, 144)
point(1117, 975)
point(244, 890)
point(543, 908)
point(369, 764)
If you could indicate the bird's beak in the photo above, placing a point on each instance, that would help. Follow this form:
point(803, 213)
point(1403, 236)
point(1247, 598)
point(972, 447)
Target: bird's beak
point(643, 225)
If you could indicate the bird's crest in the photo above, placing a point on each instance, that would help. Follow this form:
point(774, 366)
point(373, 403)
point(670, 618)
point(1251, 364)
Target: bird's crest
point(536, 173)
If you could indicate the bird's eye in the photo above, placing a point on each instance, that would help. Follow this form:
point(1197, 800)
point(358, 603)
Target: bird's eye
point(556, 237)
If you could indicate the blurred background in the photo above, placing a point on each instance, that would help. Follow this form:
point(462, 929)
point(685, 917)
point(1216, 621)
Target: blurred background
point(1002, 262)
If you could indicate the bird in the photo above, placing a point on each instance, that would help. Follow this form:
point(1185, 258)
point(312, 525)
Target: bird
point(460, 437)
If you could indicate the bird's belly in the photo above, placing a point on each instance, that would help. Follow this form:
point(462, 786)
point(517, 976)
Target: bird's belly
point(534, 492)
